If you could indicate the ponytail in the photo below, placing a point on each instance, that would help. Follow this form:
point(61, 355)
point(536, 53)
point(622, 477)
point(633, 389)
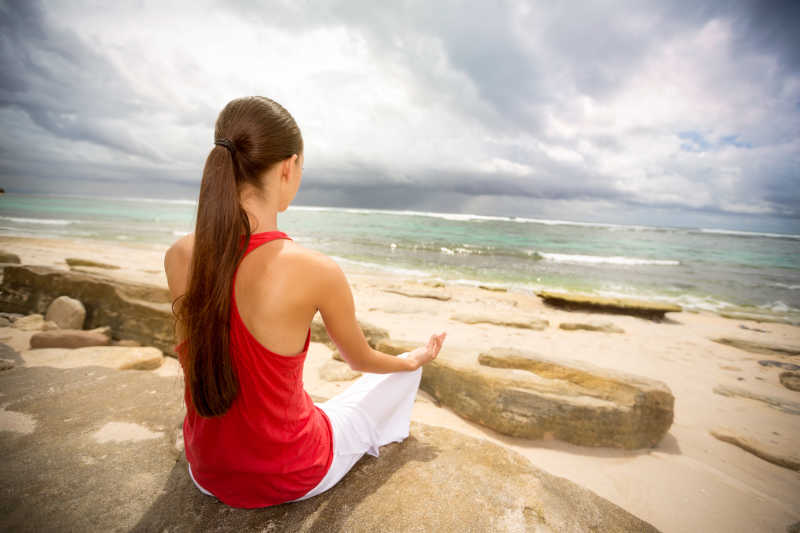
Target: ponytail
point(256, 133)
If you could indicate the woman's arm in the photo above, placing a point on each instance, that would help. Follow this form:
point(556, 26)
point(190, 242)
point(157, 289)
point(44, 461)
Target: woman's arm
point(335, 304)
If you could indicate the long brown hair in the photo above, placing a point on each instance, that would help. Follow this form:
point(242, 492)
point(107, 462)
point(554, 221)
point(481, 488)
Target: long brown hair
point(251, 135)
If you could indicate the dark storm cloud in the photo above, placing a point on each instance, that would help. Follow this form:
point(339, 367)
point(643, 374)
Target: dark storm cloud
point(537, 98)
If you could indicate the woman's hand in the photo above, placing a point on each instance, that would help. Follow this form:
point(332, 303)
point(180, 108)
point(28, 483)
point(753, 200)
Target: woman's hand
point(427, 353)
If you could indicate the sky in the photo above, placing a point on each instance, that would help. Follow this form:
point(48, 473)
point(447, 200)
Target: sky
point(641, 112)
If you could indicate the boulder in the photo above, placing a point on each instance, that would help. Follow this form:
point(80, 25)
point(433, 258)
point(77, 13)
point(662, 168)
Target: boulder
point(606, 327)
point(372, 333)
point(77, 262)
point(67, 312)
point(118, 357)
point(121, 467)
point(335, 371)
point(68, 338)
point(511, 322)
point(625, 306)
point(8, 257)
point(776, 449)
point(4, 322)
point(134, 311)
point(420, 293)
point(768, 348)
point(775, 402)
point(790, 380)
point(524, 395)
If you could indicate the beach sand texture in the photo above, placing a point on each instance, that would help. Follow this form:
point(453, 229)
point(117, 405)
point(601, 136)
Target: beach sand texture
point(690, 481)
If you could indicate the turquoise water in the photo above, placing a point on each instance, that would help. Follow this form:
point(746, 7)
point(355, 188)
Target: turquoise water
point(695, 267)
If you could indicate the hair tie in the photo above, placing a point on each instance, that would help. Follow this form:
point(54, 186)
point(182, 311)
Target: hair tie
point(227, 143)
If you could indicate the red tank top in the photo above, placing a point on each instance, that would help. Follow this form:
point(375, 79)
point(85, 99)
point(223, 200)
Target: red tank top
point(273, 445)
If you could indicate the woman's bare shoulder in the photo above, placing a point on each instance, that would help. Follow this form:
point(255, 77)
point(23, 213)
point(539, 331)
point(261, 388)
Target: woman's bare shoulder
point(307, 257)
point(176, 264)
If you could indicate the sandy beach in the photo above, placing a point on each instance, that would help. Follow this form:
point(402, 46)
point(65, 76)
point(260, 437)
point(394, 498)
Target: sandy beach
point(690, 481)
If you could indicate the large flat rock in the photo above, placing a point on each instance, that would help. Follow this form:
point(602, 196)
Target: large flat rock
point(522, 394)
point(625, 306)
point(94, 449)
point(134, 311)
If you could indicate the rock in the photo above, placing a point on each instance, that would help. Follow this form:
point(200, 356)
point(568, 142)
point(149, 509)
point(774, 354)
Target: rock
point(493, 289)
point(134, 311)
point(11, 317)
point(781, 404)
point(34, 322)
point(372, 333)
point(68, 338)
point(77, 262)
point(768, 348)
point(522, 323)
point(434, 284)
point(524, 395)
point(756, 317)
point(8, 257)
point(118, 357)
point(606, 327)
point(396, 347)
point(743, 326)
point(67, 312)
point(780, 451)
point(625, 306)
point(6, 364)
point(434, 480)
point(790, 380)
point(335, 371)
point(419, 293)
point(780, 364)
point(4, 322)
point(126, 342)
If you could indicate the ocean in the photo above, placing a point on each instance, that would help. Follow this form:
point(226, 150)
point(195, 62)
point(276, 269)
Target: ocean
point(697, 268)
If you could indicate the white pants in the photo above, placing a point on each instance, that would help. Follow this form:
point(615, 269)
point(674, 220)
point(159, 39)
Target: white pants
point(372, 412)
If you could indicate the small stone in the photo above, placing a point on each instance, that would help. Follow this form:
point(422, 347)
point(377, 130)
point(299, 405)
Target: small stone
point(33, 322)
point(67, 312)
point(779, 364)
point(6, 364)
point(606, 327)
point(493, 289)
point(790, 380)
point(4, 322)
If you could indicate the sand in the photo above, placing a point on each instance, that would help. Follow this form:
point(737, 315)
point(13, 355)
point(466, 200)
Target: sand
point(689, 482)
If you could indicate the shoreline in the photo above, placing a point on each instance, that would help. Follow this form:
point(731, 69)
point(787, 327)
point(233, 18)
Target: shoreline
point(38, 250)
point(716, 485)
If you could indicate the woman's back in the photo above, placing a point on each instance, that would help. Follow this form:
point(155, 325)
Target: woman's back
point(273, 443)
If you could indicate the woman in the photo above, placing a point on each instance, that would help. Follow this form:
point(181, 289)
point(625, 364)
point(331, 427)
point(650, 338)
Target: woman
point(244, 295)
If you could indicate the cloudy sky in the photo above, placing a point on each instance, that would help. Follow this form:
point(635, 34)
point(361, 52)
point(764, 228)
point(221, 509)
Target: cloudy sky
point(671, 113)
